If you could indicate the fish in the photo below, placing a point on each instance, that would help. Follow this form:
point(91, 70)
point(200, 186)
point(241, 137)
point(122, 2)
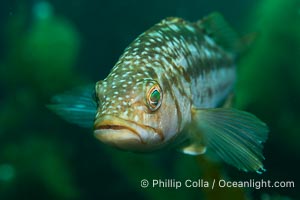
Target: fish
point(168, 90)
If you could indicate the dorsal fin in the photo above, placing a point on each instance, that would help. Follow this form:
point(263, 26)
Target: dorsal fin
point(172, 20)
point(216, 27)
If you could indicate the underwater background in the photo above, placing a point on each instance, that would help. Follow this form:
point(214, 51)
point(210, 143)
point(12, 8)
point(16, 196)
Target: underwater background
point(47, 47)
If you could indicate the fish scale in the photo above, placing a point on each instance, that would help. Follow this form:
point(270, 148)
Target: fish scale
point(178, 52)
point(164, 91)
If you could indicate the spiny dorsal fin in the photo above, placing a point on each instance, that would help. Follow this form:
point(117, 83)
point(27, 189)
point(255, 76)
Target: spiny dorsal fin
point(216, 27)
point(172, 20)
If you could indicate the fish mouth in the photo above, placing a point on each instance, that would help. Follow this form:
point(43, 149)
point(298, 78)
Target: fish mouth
point(127, 134)
point(118, 132)
point(110, 126)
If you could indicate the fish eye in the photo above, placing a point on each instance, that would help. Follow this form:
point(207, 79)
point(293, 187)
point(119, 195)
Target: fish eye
point(154, 97)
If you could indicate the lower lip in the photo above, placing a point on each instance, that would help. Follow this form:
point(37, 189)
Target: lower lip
point(116, 128)
point(117, 137)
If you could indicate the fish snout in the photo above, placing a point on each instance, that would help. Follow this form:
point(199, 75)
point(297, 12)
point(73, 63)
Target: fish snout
point(118, 133)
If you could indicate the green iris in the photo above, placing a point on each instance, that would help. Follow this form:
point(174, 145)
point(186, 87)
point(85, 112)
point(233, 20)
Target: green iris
point(155, 97)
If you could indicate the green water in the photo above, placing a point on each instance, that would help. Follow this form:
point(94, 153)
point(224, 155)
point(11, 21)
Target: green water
point(47, 47)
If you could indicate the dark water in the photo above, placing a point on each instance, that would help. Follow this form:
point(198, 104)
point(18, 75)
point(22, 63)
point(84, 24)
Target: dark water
point(47, 47)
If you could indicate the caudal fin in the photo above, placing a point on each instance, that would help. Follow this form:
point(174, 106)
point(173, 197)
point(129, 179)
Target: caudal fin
point(76, 106)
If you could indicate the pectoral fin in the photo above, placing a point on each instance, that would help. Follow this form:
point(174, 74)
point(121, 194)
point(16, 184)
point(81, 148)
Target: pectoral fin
point(194, 149)
point(235, 136)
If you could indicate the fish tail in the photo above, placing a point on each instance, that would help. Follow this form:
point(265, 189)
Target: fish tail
point(76, 106)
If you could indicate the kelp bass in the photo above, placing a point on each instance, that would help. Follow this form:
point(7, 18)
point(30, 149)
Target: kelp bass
point(166, 90)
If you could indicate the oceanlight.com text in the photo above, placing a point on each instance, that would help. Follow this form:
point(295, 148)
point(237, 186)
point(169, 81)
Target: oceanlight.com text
point(200, 183)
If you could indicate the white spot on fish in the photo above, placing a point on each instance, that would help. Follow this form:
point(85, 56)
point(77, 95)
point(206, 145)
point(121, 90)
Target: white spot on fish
point(126, 74)
point(136, 118)
point(209, 40)
point(207, 53)
point(156, 63)
point(127, 62)
point(157, 49)
point(190, 28)
point(154, 34)
point(193, 49)
point(174, 27)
